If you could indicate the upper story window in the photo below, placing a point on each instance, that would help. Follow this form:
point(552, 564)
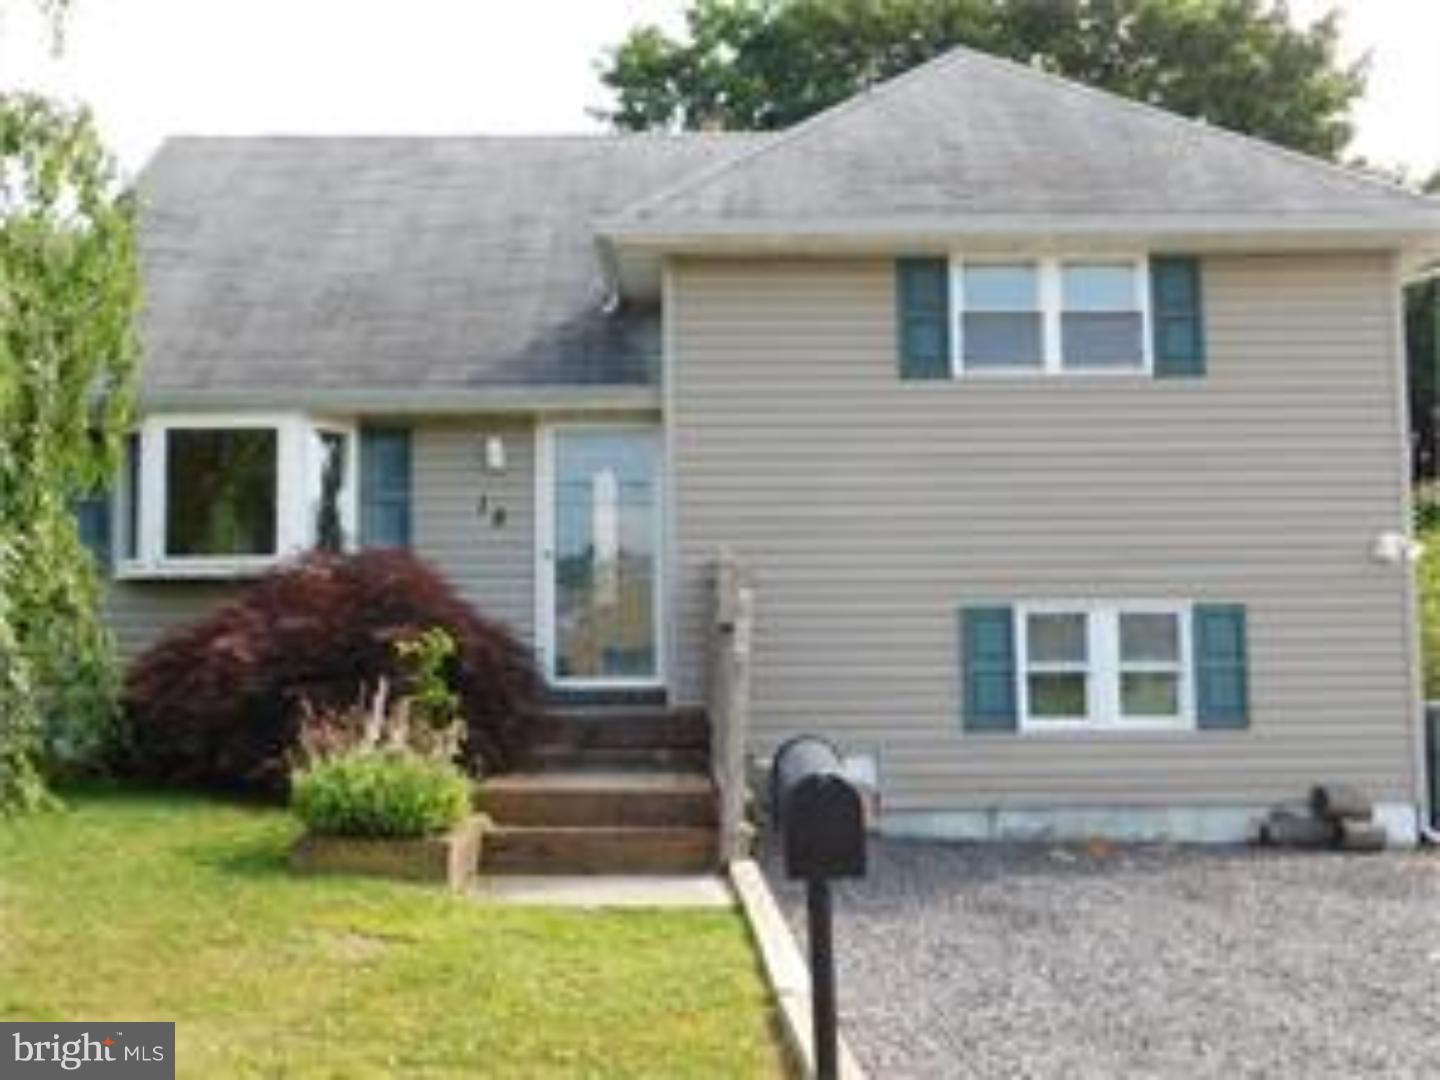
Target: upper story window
point(1001, 320)
point(1102, 316)
point(219, 495)
point(1051, 316)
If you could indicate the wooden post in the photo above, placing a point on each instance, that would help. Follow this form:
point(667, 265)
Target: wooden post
point(731, 633)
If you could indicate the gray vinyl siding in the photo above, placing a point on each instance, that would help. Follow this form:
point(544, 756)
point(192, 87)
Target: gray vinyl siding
point(873, 508)
point(494, 567)
point(138, 612)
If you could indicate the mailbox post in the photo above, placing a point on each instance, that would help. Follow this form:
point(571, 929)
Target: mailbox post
point(821, 822)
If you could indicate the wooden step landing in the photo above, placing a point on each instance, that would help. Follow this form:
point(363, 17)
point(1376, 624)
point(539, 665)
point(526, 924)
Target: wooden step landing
point(615, 727)
point(515, 849)
point(559, 757)
point(600, 797)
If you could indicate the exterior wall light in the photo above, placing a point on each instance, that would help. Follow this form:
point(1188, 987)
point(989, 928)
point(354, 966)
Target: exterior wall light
point(1395, 548)
point(494, 454)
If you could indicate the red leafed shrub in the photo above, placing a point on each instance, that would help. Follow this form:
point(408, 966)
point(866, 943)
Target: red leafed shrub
point(220, 702)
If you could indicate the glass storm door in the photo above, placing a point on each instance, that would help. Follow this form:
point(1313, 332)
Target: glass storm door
point(603, 556)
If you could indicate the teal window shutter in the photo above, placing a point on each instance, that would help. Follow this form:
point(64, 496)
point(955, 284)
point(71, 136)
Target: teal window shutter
point(987, 666)
point(1222, 679)
point(385, 487)
point(92, 522)
point(1177, 311)
point(922, 302)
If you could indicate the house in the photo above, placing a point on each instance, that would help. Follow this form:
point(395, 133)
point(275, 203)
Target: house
point(1063, 437)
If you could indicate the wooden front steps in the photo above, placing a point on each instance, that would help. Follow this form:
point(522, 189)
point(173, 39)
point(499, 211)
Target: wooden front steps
point(557, 758)
point(613, 789)
point(610, 727)
point(603, 797)
point(513, 849)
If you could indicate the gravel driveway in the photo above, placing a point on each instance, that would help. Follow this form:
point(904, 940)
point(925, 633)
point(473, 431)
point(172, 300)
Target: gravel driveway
point(1001, 961)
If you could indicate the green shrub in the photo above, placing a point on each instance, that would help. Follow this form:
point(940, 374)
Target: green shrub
point(1429, 580)
point(1427, 508)
point(380, 793)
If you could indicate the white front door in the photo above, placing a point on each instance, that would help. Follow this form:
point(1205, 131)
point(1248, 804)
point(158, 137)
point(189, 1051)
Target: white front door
point(599, 565)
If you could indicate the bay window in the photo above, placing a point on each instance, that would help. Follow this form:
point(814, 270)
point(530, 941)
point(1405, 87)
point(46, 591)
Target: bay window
point(221, 491)
point(223, 495)
point(1094, 666)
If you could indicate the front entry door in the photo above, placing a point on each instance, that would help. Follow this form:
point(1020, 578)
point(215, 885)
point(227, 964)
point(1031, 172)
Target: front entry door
point(600, 559)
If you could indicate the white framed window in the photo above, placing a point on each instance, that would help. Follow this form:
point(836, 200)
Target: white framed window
point(1051, 316)
point(1001, 319)
point(224, 495)
point(1103, 666)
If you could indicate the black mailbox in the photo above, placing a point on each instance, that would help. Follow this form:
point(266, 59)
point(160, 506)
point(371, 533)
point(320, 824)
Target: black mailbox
point(819, 813)
point(821, 821)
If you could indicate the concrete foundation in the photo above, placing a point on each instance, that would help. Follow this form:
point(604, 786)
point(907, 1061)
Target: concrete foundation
point(1127, 824)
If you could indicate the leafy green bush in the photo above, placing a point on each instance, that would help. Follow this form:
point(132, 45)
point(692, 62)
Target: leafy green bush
point(1429, 581)
point(69, 292)
point(430, 653)
point(1427, 508)
point(380, 793)
point(426, 720)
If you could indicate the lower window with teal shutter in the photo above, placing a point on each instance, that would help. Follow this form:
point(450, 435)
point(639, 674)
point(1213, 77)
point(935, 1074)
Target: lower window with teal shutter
point(1222, 676)
point(987, 669)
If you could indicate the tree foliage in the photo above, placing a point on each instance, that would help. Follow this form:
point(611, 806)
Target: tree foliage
point(1422, 339)
point(69, 289)
point(766, 64)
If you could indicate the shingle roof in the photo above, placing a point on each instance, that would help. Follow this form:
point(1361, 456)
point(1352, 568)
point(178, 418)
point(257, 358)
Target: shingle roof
point(462, 269)
point(440, 264)
point(970, 135)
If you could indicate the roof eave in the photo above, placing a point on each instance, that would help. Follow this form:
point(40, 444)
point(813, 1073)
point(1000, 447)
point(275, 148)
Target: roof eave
point(456, 401)
point(633, 248)
point(1313, 229)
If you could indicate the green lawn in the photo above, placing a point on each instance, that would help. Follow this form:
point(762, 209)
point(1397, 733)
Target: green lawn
point(134, 906)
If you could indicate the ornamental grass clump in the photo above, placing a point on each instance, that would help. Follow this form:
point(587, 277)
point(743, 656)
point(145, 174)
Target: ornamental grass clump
point(386, 765)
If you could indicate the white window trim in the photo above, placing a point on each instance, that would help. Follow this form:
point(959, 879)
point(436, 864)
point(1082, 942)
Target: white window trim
point(1051, 297)
point(1104, 667)
point(297, 490)
point(350, 482)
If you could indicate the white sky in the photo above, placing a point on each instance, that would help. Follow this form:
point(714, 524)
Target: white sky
point(151, 68)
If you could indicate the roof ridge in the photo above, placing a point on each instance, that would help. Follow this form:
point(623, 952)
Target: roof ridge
point(1192, 123)
point(956, 53)
point(786, 136)
point(456, 136)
